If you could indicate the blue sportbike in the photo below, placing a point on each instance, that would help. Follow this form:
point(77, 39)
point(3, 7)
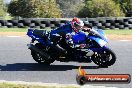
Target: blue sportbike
point(48, 46)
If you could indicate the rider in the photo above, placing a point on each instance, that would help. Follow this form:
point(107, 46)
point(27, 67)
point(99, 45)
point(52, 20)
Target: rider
point(77, 26)
point(69, 29)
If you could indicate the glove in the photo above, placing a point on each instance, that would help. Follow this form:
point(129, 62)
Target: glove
point(85, 29)
point(80, 46)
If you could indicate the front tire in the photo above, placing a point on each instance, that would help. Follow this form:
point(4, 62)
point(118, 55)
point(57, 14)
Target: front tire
point(105, 58)
point(41, 59)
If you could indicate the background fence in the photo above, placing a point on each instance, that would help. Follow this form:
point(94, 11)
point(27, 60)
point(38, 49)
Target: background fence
point(112, 23)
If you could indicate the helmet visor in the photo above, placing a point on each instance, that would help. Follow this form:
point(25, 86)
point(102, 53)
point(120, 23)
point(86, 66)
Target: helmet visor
point(77, 26)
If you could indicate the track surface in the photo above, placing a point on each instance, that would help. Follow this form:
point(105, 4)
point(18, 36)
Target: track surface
point(16, 64)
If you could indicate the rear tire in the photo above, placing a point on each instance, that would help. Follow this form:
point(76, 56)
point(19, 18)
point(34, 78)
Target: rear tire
point(105, 58)
point(40, 59)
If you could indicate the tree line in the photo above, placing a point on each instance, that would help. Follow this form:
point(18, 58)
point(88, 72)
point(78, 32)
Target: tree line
point(67, 8)
point(1, 8)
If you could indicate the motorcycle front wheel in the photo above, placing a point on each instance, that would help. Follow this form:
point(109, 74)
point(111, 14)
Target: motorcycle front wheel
point(105, 58)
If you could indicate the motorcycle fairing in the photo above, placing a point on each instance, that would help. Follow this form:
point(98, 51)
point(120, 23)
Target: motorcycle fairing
point(102, 34)
point(79, 37)
point(100, 41)
point(30, 34)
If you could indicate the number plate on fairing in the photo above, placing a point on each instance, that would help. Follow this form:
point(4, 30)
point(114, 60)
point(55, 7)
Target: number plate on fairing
point(102, 42)
point(79, 37)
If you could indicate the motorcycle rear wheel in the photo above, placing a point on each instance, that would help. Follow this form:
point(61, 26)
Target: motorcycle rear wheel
point(40, 59)
point(105, 58)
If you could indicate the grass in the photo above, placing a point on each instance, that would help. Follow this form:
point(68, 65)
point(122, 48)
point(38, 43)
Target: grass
point(13, 29)
point(13, 85)
point(119, 32)
point(7, 17)
point(108, 31)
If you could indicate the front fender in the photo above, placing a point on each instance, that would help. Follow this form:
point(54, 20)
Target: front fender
point(100, 41)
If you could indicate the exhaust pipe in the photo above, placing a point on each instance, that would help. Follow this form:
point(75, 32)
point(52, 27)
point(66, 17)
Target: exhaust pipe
point(58, 49)
point(37, 50)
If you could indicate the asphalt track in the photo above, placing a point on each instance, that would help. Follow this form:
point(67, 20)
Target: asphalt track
point(16, 64)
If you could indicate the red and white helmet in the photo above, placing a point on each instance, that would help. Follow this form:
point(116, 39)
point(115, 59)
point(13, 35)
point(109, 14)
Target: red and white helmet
point(77, 24)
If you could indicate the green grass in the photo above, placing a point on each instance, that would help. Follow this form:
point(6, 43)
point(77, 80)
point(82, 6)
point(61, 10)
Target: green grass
point(13, 29)
point(119, 32)
point(16, 29)
point(10, 85)
point(7, 17)
point(108, 31)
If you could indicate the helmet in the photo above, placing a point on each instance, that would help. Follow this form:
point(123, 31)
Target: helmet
point(77, 24)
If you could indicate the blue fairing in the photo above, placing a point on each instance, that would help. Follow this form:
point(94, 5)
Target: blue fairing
point(79, 37)
point(98, 40)
point(100, 31)
point(30, 34)
point(101, 40)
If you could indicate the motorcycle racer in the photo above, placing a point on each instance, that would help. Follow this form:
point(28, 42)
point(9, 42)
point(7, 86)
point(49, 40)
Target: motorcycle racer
point(71, 28)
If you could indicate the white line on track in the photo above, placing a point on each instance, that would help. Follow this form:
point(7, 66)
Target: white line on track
point(125, 40)
point(13, 36)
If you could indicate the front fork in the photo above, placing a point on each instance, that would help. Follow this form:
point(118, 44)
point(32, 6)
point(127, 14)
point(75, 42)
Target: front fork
point(100, 49)
point(32, 41)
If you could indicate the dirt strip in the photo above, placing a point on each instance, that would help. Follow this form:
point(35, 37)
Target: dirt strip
point(109, 36)
point(119, 37)
point(12, 34)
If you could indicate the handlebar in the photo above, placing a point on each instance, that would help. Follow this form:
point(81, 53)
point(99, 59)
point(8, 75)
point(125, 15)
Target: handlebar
point(92, 31)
